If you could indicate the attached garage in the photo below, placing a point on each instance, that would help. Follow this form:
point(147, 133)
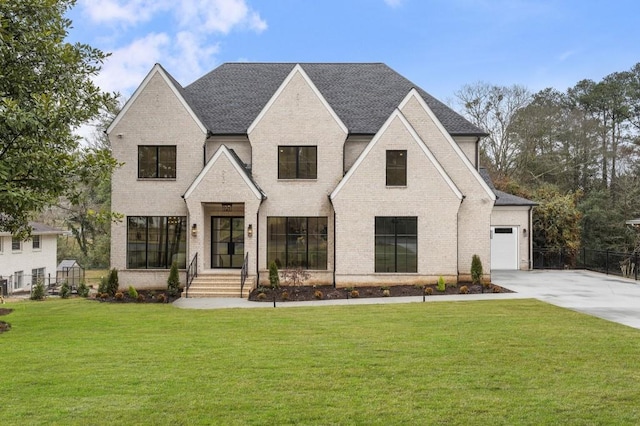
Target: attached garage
point(504, 247)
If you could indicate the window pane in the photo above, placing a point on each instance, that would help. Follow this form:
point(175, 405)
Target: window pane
point(166, 161)
point(308, 162)
point(136, 242)
point(287, 156)
point(16, 244)
point(147, 162)
point(396, 168)
point(396, 244)
point(297, 242)
point(35, 241)
point(177, 241)
point(276, 240)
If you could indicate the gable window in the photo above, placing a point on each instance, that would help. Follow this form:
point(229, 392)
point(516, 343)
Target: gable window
point(16, 244)
point(156, 162)
point(396, 242)
point(155, 242)
point(396, 168)
point(297, 162)
point(297, 242)
point(35, 242)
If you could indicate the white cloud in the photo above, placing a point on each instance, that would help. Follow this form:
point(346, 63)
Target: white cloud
point(126, 67)
point(187, 49)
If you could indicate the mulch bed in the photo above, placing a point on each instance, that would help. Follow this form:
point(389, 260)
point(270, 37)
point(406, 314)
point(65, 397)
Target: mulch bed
point(147, 296)
point(5, 326)
point(327, 292)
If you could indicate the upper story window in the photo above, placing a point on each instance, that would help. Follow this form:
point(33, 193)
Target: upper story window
point(35, 242)
point(396, 168)
point(297, 162)
point(16, 244)
point(156, 162)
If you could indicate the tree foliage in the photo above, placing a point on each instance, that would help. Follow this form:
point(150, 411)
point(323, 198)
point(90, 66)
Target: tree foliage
point(46, 92)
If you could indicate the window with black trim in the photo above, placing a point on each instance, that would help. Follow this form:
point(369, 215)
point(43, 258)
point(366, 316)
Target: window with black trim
point(156, 162)
point(297, 162)
point(396, 241)
point(155, 242)
point(294, 242)
point(396, 168)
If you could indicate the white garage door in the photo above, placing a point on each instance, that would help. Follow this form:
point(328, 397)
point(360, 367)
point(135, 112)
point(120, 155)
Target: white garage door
point(504, 247)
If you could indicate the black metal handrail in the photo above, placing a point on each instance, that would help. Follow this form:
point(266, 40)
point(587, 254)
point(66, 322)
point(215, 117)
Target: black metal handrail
point(244, 272)
point(192, 272)
point(604, 261)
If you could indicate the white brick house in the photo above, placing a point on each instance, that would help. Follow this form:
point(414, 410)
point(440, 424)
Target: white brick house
point(23, 263)
point(347, 170)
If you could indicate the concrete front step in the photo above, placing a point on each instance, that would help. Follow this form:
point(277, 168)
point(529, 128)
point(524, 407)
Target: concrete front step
point(219, 285)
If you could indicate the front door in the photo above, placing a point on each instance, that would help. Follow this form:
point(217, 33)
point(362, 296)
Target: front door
point(227, 242)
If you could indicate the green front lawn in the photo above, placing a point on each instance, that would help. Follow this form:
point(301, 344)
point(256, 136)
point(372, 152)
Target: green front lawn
point(494, 362)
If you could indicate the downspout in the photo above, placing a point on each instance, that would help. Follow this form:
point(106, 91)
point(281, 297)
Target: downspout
point(334, 240)
point(478, 153)
point(258, 241)
point(458, 239)
point(530, 245)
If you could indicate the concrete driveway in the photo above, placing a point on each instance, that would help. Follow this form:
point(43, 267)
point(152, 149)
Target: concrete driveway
point(604, 296)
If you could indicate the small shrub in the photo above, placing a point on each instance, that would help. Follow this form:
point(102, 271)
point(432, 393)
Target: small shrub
point(119, 295)
point(133, 293)
point(476, 269)
point(83, 290)
point(38, 291)
point(173, 282)
point(261, 290)
point(162, 298)
point(113, 284)
point(274, 277)
point(140, 298)
point(384, 287)
point(464, 290)
point(496, 289)
point(386, 292)
point(103, 287)
point(65, 290)
point(296, 276)
point(104, 296)
point(284, 295)
point(262, 296)
point(318, 294)
point(152, 294)
point(355, 294)
point(442, 285)
point(428, 291)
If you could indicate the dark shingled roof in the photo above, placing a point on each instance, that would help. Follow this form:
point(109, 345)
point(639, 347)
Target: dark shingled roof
point(504, 198)
point(229, 98)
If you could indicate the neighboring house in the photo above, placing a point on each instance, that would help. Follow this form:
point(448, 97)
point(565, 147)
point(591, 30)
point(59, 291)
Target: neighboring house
point(347, 170)
point(23, 263)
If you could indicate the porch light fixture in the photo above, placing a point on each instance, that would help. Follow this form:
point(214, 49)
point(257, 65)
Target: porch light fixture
point(524, 231)
point(194, 230)
point(250, 231)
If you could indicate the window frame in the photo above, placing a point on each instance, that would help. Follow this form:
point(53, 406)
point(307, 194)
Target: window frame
point(167, 233)
point(158, 162)
point(382, 254)
point(299, 172)
point(395, 169)
point(314, 236)
point(34, 239)
point(37, 273)
point(15, 240)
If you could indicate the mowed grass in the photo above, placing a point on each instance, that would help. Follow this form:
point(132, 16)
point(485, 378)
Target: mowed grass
point(494, 362)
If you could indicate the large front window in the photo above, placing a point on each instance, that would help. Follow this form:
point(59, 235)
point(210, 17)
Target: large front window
point(297, 242)
point(155, 242)
point(297, 162)
point(396, 244)
point(155, 162)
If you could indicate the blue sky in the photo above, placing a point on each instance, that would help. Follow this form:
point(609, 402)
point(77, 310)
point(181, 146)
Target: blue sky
point(440, 45)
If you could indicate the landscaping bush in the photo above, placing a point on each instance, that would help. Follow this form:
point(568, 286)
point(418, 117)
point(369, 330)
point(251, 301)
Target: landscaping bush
point(38, 291)
point(119, 295)
point(262, 296)
point(318, 294)
point(83, 289)
point(355, 294)
point(173, 282)
point(103, 287)
point(476, 269)
point(113, 284)
point(274, 277)
point(464, 290)
point(386, 292)
point(65, 290)
point(428, 291)
point(442, 285)
point(161, 298)
point(140, 298)
point(133, 293)
point(285, 295)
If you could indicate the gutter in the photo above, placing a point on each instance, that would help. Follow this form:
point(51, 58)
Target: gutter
point(334, 239)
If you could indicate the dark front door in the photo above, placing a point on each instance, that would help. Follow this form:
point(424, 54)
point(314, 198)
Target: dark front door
point(227, 242)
